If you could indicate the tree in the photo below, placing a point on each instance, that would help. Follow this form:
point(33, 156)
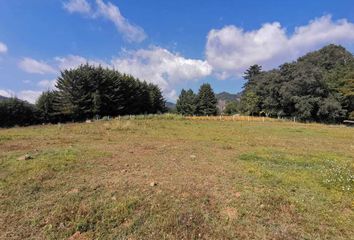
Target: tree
point(158, 102)
point(231, 108)
point(317, 87)
point(206, 101)
point(46, 106)
point(14, 111)
point(186, 103)
point(89, 91)
point(250, 103)
point(252, 71)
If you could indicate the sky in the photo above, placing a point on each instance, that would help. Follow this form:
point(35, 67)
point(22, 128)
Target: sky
point(174, 44)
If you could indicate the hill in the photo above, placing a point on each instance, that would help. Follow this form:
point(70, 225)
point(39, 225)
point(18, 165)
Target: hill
point(225, 96)
point(170, 105)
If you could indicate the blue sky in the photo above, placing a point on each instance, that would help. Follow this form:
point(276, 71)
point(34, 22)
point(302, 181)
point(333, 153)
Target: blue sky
point(175, 44)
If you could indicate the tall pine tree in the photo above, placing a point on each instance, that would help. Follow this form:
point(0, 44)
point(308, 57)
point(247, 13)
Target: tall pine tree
point(186, 103)
point(206, 101)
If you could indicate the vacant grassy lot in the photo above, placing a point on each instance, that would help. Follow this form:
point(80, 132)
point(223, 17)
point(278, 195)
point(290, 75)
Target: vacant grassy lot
point(177, 179)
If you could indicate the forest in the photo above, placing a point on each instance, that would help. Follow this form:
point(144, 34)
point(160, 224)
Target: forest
point(317, 87)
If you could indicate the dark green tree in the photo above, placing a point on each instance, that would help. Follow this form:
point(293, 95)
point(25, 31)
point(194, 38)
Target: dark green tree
point(316, 87)
point(46, 107)
point(14, 111)
point(158, 102)
point(206, 101)
point(186, 103)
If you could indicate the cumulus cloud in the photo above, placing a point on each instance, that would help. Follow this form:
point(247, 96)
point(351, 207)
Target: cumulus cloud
point(111, 12)
point(80, 6)
point(31, 65)
point(162, 67)
point(231, 50)
point(3, 47)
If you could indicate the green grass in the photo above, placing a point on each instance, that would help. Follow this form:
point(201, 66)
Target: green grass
point(215, 180)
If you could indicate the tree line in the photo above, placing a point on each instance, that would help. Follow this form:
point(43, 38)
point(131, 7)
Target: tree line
point(86, 92)
point(317, 87)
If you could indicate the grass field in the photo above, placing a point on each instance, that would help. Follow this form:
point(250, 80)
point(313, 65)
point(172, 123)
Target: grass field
point(177, 179)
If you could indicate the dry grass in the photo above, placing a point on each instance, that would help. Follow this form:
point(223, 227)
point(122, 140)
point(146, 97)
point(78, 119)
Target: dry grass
point(215, 180)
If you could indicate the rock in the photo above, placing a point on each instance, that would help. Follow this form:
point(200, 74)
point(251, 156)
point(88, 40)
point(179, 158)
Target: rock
point(153, 184)
point(88, 121)
point(114, 198)
point(193, 156)
point(262, 206)
point(124, 171)
point(25, 157)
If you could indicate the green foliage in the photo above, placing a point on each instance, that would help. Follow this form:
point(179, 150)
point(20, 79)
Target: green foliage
point(250, 103)
point(186, 103)
point(46, 106)
point(206, 101)
point(17, 112)
point(317, 87)
point(231, 108)
point(203, 104)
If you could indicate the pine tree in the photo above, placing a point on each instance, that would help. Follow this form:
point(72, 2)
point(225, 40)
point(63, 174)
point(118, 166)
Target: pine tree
point(158, 103)
point(206, 101)
point(46, 106)
point(186, 103)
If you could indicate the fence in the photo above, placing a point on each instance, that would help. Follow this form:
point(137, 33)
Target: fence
point(235, 118)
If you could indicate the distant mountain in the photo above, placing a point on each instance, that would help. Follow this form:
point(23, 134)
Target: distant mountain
point(170, 105)
point(225, 96)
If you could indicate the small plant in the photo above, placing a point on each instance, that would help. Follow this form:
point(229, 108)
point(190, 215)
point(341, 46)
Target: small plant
point(339, 176)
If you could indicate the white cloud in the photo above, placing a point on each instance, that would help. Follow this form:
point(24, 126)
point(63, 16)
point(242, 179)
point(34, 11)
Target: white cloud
point(131, 32)
point(47, 84)
point(29, 95)
point(80, 6)
point(73, 61)
point(159, 66)
point(231, 50)
point(31, 65)
point(111, 12)
point(3, 48)
point(6, 93)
